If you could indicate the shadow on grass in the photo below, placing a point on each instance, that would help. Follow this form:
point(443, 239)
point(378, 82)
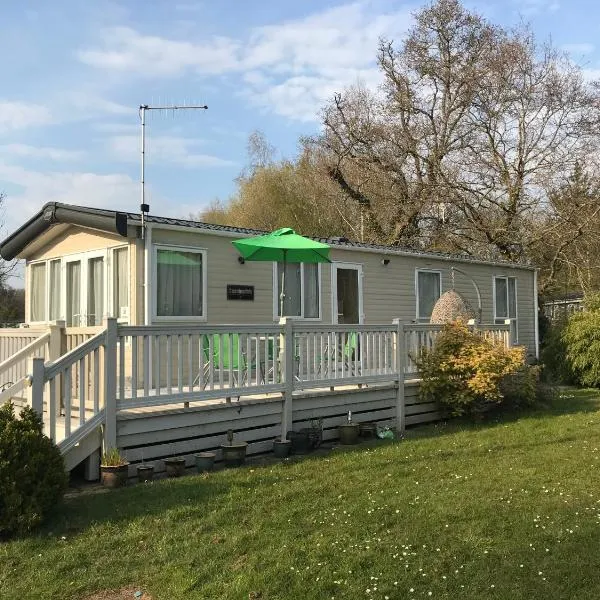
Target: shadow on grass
point(177, 498)
point(563, 401)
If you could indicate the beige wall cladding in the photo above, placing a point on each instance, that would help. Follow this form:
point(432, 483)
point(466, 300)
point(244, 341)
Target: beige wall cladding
point(388, 290)
point(75, 240)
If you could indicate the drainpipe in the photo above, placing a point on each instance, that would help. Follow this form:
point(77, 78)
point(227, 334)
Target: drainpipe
point(147, 270)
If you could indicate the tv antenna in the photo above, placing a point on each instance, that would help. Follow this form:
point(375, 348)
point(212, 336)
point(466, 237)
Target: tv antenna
point(145, 208)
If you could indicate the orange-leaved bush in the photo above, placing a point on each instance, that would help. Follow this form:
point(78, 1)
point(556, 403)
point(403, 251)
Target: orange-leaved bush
point(464, 370)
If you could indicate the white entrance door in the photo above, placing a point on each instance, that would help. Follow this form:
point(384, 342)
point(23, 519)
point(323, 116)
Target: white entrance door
point(347, 293)
point(85, 286)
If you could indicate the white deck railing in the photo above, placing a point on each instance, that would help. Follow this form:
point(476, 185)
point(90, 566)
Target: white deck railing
point(16, 345)
point(131, 367)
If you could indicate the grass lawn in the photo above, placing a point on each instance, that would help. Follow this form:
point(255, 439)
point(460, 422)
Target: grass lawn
point(506, 510)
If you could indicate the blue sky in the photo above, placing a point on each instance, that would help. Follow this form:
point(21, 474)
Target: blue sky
point(74, 73)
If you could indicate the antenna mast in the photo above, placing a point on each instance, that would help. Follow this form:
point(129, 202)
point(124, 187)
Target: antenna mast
point(145, 208)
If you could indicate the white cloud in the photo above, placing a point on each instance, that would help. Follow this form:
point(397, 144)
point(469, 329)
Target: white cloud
point(49, 153)
point(289, 68)
point(38, 187)
point(19, 115)
point(581, 48)
point(534, 7)
point(126, 50)
point(166, 149)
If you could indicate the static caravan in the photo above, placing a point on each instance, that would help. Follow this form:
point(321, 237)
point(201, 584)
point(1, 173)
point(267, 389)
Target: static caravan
point(86, 264)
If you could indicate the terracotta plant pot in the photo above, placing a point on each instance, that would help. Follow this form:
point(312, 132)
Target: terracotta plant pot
point(348, 433)
point(175, 467)
point(367, 430)
point(145, 473)
point(234, 455)
point(205, 461)
point(281, 448)
point(114, 477)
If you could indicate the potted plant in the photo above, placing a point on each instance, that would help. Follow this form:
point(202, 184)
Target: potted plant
point(349, 431)
point(113, 469)
point(368, 429)
point(300, 441)
point(281, 448)
point(175, 466)
point(145, 473)
point(234, 455)
point(205, 461)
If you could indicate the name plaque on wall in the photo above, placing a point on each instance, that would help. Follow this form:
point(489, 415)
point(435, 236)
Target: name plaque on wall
point(240, 292)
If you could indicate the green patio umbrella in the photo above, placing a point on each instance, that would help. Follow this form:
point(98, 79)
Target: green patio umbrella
point(283, 245)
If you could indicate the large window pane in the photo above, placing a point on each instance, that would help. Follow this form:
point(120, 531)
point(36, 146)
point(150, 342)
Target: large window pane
point(95, 291)
point(54, 292)
point(74, 294)
point(428, 293)
point(179, 283)
point(512, 298)
point(501, 298)
point(292, 303)
point(38, 292)
point(120, 284)
point(311, 291)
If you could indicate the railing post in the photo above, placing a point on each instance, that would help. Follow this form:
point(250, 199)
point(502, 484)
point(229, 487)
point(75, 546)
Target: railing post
point(56, 344)
point(508, 335)
point(35, 394)
point(400, 363)
point(287, 361)
point(110, 384)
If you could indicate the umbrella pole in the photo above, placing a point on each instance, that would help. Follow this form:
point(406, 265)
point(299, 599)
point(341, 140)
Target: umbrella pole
point(282, 295)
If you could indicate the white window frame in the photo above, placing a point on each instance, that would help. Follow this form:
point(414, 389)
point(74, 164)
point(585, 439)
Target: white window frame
point(84, 259)
point(276, 299)
point(61, 290)
point(29, 290)
point(111, 283)
point(418, 318)
point(179, 318)
point(515, 339)
point(334, 297)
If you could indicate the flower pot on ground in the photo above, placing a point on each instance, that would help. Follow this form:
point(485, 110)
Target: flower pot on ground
point(281, 448)
point(145, 473)
point(113, 469)
point(368, 430)
point(175, 466)
point(234, 455)
point(348, 433)
point(300, 441)
point(205, 461)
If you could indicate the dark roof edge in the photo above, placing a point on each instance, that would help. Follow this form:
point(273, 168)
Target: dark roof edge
point(54, 213)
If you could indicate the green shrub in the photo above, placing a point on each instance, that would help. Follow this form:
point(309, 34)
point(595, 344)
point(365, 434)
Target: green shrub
point(32, 472)
point(556, 368)
point(581, 336)
point(465, 372)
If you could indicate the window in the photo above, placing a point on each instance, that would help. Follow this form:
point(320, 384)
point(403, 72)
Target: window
point(54, 291)
point(505, 303)
point(37, 293)
point(428, 291)
point(302, 290)
point(95, 313)
point(120, 284)
point(180, 283)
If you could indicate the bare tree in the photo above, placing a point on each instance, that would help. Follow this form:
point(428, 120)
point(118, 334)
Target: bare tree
point(6, 267)
point(473, 126)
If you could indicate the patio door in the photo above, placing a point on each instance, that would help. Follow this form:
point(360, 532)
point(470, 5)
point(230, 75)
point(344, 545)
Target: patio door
point(85, 287)
point(347, 293)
